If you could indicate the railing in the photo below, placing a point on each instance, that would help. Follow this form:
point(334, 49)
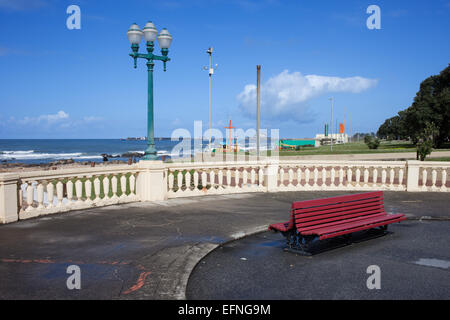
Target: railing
point(45, 192)
point(433, 176)
point(339, 175)
point(30, 194)
point(193, 179)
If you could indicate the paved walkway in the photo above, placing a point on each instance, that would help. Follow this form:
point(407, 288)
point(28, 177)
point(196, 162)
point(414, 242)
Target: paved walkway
point(148, 250)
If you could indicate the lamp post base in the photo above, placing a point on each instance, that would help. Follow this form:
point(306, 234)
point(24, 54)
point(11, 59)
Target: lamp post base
point(150, 156)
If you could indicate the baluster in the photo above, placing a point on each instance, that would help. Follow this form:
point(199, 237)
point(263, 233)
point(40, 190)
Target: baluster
point(366, 177)
point(79, 191)
point(114, 187)
point(203, 177)
point(179, 181)
point(341, 177)
point(69, 186)
point(316, 177)
point(106, 187)
point(30, 197)
point(132, 185)
point(252, 177)
point(383, 177)
point(358, 177)
point(281, 177)
point(196, 180)
point(400, 177)
point(50, 194)
point(171, 180)
point(59, 193)
point(375, 176)
point(88, 190)
point(40, 196)
point(391, 177)
point(307, 176)
point(299, 177)
point(187, 178)
point(123, 185)
point(228, 178)
point(212, 178)
point(261, 177)
point(236, 177)
point(290, 177)
point(444, 180)
point(244, 178)
point(349, 177)
point(324, 177)
point(433, 179)
point(333, 177)
point(97, 189)
point(424, 179)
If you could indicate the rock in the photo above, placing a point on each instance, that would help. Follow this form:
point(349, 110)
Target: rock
point(133, 154)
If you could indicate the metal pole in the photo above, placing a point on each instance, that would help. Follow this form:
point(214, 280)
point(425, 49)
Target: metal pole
point(210, 52)
point(150, 153)
point(258, 107)
point(331, 124)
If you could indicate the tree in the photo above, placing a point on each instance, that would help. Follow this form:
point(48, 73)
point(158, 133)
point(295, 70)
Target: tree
point(425, 139)
point(372, 142)
point(431, 105)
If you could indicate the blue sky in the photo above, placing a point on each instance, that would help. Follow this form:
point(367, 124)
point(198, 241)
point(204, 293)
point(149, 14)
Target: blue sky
point(61, 83)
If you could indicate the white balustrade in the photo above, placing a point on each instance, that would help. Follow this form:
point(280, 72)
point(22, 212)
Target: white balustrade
point(46, 192)
point(52, 191)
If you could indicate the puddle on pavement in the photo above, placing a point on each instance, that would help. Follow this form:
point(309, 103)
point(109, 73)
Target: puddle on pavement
point(274, 244)
point(437, 263)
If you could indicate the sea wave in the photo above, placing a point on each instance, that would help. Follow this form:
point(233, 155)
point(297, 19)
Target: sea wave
point(30, 155)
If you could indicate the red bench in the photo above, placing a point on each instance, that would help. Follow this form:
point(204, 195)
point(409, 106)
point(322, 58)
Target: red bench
point(321, 219)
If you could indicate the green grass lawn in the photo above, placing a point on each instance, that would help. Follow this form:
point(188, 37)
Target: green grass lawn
point(354, 148)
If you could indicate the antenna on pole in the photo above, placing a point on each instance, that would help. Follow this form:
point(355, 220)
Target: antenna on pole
point(331, 123)
point(258, 107)
point(210, 69)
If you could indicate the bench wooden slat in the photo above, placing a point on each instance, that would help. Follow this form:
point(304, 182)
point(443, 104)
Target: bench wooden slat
point(343, 214)
point(363, 223)
point(311, 212)
point(361, 228)
point(334, 200)
point(338, 222)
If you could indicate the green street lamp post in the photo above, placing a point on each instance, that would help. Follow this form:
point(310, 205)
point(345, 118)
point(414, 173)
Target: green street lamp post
point(164, 39)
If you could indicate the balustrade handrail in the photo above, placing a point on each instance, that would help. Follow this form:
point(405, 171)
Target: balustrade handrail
point(76, 172)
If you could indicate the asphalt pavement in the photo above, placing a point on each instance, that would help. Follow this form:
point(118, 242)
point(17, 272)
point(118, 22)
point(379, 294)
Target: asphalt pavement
point(148, 250)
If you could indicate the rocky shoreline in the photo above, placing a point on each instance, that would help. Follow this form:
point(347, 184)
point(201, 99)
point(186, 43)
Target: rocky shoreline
point(7, 166)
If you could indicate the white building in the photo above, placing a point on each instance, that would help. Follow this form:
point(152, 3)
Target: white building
point(338, 138)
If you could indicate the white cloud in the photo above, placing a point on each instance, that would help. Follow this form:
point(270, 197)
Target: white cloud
point(45, 118)
point(286, 94)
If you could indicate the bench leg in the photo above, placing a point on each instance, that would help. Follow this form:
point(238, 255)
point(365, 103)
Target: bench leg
point(302, 244)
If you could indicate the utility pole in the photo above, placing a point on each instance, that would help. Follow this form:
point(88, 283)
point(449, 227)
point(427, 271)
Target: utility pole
point(210, 69)
point(350, 126)
point(331, 124)
point(258, 107)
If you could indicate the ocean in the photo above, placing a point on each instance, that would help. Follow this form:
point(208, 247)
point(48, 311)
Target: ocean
point(35, 151)
point(49, 150)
